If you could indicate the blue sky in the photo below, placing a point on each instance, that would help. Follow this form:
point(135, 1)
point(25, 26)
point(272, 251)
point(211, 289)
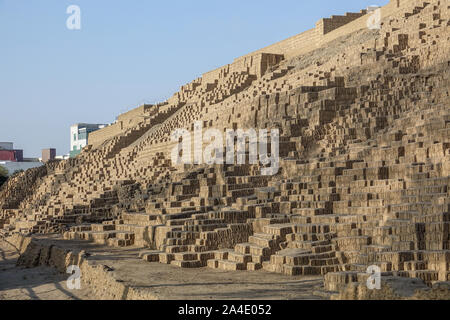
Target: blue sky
point(126, 52)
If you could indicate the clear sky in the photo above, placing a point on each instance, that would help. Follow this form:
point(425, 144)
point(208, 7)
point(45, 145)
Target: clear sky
point(126, 52)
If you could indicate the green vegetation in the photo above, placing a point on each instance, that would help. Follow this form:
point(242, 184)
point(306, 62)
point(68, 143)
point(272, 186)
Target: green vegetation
point(3, 175)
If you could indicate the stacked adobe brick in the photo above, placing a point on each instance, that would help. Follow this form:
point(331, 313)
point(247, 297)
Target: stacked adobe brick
point(364, 169)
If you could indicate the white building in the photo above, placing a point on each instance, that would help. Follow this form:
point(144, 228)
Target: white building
point(63, 157)
point(79, 136)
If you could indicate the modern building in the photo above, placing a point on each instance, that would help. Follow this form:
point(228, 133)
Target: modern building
point(62, 157)
point(79, 136)
point(13, 160)
point(8, 153)
point(48, 154)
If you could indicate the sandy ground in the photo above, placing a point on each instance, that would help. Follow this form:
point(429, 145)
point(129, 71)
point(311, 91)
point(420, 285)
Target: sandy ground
point(40, 283)
point(163, 281)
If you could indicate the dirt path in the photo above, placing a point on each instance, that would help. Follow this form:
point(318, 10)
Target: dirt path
point(42, 283)
point(160, 280)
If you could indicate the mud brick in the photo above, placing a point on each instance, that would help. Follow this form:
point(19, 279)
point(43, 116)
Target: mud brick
point(364, 161)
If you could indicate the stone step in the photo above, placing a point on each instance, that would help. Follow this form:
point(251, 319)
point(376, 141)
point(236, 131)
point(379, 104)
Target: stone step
point(226, 265)
point(239, 257)
point(189, 264)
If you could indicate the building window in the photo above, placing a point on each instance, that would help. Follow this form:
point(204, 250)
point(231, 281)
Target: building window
point(82, 136)
point(74, 137)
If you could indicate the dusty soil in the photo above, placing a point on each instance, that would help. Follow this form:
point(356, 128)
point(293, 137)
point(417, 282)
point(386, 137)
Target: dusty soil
point(42, 283)
point(163, 281)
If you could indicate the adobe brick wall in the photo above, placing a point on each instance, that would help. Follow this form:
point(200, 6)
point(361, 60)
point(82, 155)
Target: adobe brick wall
point(329, 29)
point(258, 62)
point(124, 121)
point(255, 64)
point(364, 148)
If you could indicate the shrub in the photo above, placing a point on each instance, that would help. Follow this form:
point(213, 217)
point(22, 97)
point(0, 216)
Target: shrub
point(3, 175)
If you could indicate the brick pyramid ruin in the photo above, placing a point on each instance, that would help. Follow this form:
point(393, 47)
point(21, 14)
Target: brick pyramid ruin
point(364, 120)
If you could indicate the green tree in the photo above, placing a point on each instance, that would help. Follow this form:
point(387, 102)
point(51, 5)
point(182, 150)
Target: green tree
point(3, 175)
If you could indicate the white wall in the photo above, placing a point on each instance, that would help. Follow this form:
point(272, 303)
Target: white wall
point(76, 143)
